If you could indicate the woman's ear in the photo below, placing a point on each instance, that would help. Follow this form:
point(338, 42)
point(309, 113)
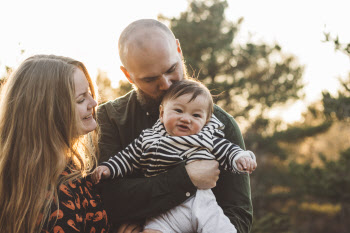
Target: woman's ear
point(126, 73)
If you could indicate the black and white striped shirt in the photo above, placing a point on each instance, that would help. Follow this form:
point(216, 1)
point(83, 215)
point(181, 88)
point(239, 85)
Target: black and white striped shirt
point(155, 151)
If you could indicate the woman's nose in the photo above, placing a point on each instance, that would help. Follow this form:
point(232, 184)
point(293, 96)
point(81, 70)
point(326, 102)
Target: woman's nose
point(92, 103)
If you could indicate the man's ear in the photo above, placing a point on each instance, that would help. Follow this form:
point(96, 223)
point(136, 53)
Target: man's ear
point(126, 73)
point(161, 113)
point(178, 47)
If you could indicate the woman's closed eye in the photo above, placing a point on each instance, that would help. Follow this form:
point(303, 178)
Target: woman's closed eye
point(83, 97)
point(81, 101)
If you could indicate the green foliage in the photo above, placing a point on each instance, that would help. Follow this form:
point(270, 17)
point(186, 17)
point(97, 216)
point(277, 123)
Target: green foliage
point(272, 223)
point(338, 106)
point(250, 80)
point(339, 46)
point(295, 133)
point(106, 91)
point(329, 182)
point(5, 76)
point(123, 88)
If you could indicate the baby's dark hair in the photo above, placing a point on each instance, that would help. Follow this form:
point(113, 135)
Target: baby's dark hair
point(189, 86)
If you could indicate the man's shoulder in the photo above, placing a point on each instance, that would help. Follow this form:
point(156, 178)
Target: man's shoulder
point(117, 111)
point(222, 115)
point(232, 131)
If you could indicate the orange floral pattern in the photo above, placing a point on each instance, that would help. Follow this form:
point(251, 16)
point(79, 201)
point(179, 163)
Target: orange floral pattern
point(81, 209)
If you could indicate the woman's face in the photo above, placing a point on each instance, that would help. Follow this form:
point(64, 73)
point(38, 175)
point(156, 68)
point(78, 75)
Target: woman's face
point(84, 103)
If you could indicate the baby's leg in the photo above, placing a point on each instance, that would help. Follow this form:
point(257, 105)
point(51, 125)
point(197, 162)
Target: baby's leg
point(176, 220)
point(207, 215)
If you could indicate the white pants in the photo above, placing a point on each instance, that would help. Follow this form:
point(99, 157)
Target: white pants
point(200, 213)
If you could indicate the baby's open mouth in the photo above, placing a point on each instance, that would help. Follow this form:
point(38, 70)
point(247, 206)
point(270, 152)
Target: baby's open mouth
point(183, 126)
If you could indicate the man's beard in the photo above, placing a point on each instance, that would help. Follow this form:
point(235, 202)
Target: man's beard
point(150, 104)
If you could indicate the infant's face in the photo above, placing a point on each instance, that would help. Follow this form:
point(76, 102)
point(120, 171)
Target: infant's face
point(181, 117)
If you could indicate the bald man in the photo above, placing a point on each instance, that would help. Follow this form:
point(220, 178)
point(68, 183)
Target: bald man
point(152, 61)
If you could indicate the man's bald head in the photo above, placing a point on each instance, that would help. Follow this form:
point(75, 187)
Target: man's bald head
point(136, 35)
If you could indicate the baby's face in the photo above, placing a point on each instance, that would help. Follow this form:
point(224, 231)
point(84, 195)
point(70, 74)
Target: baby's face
point(181, 117)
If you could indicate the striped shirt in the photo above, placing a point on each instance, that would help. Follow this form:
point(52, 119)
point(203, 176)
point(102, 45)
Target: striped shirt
point(155, 151)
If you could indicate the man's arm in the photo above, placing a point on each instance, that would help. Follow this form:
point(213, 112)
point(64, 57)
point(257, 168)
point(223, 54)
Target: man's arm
point(233, 190)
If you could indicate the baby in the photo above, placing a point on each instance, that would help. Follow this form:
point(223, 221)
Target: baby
point(186, 131)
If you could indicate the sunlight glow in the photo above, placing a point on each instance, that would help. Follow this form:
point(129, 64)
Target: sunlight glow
point(88, 31)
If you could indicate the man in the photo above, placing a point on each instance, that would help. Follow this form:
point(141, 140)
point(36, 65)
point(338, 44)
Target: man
point(152, 61)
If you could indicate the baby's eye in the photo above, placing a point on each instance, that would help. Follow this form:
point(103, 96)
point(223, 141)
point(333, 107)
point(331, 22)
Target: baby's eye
point(178, 110)
point(197, 115)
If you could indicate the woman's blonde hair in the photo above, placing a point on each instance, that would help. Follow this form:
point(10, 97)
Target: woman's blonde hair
point(39, 140)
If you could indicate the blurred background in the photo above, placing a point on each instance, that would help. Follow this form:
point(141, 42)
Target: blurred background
point(281, 68)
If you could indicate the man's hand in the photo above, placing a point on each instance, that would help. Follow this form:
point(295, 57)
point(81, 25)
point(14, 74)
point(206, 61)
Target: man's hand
point(203, 173)
point(246, 163)
point(101, 172)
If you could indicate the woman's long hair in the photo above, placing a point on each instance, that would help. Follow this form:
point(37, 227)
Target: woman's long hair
point(39, 140)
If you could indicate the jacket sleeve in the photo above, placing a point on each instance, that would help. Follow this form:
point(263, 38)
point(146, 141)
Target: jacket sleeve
point(137, 198)
point(232, 191)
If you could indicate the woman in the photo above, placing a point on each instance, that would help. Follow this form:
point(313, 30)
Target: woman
point(47, 132)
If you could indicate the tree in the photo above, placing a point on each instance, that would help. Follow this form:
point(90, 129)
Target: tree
point(338, 46)
point(338, 106)
point(252, 78)
point(5, 76)
point(105, 89)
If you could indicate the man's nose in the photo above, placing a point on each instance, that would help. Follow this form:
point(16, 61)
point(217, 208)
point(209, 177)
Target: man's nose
point(165, 83)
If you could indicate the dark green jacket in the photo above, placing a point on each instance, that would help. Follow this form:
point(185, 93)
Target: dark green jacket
point(136, 197)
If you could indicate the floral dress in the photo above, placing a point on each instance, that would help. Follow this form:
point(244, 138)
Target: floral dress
point(80, 209)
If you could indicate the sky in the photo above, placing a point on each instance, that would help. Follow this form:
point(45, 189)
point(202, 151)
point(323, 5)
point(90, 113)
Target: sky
point(88, 30)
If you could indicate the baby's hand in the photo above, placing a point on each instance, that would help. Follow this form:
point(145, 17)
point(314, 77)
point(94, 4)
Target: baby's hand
point(246, 163)
point(101, 172)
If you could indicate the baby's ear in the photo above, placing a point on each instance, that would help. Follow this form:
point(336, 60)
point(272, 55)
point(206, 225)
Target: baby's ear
point(161, 113)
